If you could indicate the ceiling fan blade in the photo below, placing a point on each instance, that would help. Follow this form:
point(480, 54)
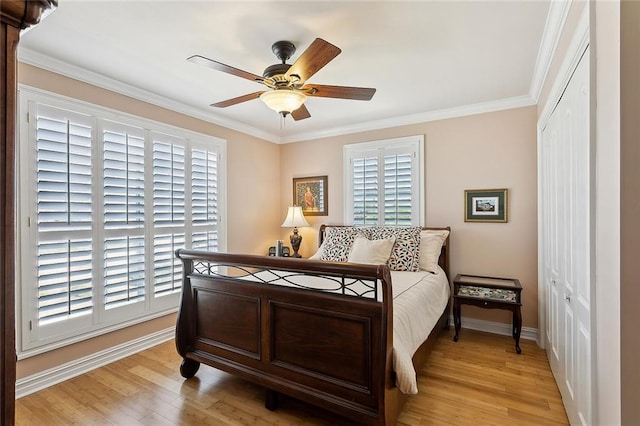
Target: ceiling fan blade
point(238, 100)
point(341, 92)
point(219, 66)
point(301, 113)
point(317, 55)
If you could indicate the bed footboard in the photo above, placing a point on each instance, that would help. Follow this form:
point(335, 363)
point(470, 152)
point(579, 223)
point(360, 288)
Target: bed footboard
point(328, 349)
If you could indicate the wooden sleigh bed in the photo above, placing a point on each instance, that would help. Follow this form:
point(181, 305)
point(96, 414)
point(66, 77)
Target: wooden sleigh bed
point(318, 331)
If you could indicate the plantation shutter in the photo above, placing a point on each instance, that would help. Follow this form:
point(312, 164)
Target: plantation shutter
point(168, 184)
point(123, 177)
point(365, 190)
point(384, 181)
point(64, 214)
point(123, 271)
point(105, 201)
point(398, 197)
point(124, 251)
point(167, 271)
point(204, 199)
point(168, 213)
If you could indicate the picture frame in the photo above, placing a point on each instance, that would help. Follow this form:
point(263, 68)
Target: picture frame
point(311, 193)
point(486, 205)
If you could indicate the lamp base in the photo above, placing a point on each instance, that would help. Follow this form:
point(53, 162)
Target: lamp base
point(295, 239)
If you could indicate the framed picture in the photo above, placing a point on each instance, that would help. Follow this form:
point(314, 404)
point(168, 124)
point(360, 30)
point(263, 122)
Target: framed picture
point(486, 205)
point(311, 194)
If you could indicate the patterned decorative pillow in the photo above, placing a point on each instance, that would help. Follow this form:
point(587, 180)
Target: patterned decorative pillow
point(337, 243)
point(405, 255)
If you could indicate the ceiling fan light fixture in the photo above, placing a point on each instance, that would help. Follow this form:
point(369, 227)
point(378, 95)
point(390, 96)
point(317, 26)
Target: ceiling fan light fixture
point(283, 101)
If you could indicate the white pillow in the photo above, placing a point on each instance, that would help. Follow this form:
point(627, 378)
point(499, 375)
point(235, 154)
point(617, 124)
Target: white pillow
point(376, 252)
point(430, 247)
point(318, 254)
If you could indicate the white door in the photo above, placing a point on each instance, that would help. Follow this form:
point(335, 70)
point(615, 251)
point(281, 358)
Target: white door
point(551, 233)
point(566, 240)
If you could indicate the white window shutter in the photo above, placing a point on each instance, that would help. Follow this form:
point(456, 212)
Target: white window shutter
point(64, 214)
point(112, 198)
point(124, 260)
point(204, 187)
point(168, 184)
point(398, 189)
point(167, 271)
point(205, 194)
point(384, 182)
point(65, 285)
point(123, 174)
point(365, 190)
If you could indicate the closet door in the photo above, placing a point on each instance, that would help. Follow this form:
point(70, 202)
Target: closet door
point(552, 239)
point(566, 241)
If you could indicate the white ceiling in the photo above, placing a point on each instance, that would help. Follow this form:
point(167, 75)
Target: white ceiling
point(425, 58)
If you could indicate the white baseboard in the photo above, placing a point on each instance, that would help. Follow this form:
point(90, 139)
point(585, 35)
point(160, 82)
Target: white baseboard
point(44, 379)
point(528, 333)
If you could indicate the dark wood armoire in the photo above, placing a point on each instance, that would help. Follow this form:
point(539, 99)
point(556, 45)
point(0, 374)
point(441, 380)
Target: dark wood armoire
point(15, 15)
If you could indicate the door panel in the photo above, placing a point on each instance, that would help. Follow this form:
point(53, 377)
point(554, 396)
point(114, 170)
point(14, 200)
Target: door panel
point(566, 238)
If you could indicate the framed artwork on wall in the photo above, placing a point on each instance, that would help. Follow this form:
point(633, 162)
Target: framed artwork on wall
point(486, 205)
point(311, 193)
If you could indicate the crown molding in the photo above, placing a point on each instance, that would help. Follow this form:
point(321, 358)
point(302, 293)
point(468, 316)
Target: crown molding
point(48, 63)
point(556, 18)
point(442, 114)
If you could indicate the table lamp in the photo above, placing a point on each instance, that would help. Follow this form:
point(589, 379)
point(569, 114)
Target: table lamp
point(295, 218)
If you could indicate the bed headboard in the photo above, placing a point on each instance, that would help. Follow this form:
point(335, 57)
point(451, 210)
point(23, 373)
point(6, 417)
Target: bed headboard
point(443, 260)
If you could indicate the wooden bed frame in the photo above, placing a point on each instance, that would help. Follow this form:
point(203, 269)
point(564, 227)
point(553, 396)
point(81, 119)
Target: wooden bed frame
point(328, 349)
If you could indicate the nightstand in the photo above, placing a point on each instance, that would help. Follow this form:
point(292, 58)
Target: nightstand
point(489, 293)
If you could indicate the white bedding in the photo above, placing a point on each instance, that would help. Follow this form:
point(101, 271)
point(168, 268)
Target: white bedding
point(418, 301)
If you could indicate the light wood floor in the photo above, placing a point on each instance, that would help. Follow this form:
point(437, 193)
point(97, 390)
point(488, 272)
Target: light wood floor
point(479, 380)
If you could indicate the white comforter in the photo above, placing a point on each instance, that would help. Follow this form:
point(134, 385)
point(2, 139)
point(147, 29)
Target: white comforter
point(418, 301)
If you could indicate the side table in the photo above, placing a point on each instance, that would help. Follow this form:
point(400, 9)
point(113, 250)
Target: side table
point(489, 293)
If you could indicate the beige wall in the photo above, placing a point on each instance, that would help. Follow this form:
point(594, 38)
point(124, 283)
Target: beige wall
point(58, 357)
point(253, 219)
point(493, 150)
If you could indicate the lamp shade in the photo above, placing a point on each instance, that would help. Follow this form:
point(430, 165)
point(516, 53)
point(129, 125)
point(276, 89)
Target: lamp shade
point(283, 100)
point(294, 218)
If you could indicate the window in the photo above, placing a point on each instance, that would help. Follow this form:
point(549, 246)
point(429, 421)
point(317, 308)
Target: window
point(384, 182)
point(105, 200)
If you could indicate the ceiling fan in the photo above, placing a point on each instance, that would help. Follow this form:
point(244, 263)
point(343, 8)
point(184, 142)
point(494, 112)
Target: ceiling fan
point(287, 90)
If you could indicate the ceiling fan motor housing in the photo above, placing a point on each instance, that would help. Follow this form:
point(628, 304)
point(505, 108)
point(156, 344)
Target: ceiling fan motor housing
point(276, 69)
point(283, 50)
